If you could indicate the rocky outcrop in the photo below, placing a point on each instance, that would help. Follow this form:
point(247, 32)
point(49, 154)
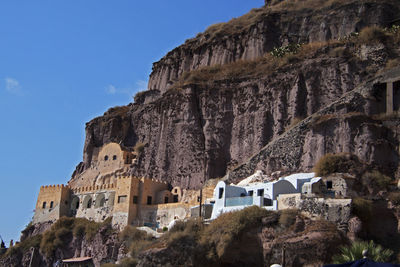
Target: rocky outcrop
point(345, 125)
point(102, 247)
point(204, 130)
point(252, 35)
point(305, 243)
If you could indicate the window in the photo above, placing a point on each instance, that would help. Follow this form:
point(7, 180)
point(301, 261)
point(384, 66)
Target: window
point(135, 199)
point(176, 191)
point(165, 199)
point(77, 205)
point(220, 193)
point(198, 199)
point(44, 205)
point(102, 202)
point(114, 157)
point(175, 198)
point(260, 192)
point(121, 199)
point(329, 184)
point(149, 198)
point(89, 204)
point(251, 193)
point(51, 204)
point(242, 194)
point(105, 157)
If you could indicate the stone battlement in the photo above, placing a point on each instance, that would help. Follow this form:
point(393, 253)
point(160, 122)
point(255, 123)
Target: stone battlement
point(93, 188)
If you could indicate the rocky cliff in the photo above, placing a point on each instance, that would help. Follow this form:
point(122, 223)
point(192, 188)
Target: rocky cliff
point(213, 119)
point(252, 35)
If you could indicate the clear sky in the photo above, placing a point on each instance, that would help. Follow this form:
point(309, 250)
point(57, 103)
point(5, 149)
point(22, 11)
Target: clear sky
point(64, 62)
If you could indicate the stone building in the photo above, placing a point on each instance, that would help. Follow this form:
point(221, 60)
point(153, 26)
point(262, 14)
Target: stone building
point(107, 190)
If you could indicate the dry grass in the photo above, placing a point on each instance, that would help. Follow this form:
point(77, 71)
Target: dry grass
point(341, 162)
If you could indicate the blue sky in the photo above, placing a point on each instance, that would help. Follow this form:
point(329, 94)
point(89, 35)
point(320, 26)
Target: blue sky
point(64, 62)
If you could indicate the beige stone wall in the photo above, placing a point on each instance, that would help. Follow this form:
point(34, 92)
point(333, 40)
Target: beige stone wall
point(150, 188)
point(108, 163)
point(161, 215)
point(56, 198)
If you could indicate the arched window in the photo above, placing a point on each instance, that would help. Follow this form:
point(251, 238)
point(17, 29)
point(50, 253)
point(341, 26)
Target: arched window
point(44, 205)
point(75, 203)
point(87, 202)
point(100, 200)
point(105, 157)
point(51, 204)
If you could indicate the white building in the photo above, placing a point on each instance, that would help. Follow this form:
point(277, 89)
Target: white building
point(263, 194)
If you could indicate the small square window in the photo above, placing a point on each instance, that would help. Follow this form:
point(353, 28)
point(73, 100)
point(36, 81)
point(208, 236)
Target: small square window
point(329, 184)
point(114, 157)
point(121, 199)
point(251, 193)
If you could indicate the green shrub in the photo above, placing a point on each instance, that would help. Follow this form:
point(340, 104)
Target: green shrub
point(362, 208)
point(376, 180)
point(139, 147)
point(228, 227)
point(287, 217)
point(394, 197)
point(331, 163)
point(24, 246)
point(165, 229)
point(354, 252)
point(372, 35)
point(131, 234)
point(285, 50)
point(64, 229)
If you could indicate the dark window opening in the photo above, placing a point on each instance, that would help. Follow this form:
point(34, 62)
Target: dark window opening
point(251, 193)
point(77, 205)
point(221, 192)
point(198, 199)
point(242, 194)
point(260, 192)
point(149, 198)
point(267, 202)
point(44, 205)
point(175, 198)
point(329, 184)
point(121, 199)
point(176, 190)
point(114, 157)
point(135, 199)
point(51, 204)
point(396, 96)
point(165, 199)
point(66, 202)
point(105, 157)
point(89, 204)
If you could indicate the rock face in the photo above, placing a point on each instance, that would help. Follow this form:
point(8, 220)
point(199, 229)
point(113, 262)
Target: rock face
point(103, 247)
point(203, 129)
point(250, 36)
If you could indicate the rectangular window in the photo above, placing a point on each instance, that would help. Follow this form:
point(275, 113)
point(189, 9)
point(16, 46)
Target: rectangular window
point(51, 204)
point(149, 198)
point(221, 192)
point(165, 199)
point(329, 184)
point(175, 198)
point(251, 193)
point(121, 199)
point(260, 192)
point(135, 199)
point(44, 205)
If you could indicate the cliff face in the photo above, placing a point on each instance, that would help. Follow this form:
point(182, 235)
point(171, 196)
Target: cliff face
point(250, 36)
point(214, 119)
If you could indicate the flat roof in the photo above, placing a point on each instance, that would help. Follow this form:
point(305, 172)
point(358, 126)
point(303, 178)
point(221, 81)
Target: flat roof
point(79, 259)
